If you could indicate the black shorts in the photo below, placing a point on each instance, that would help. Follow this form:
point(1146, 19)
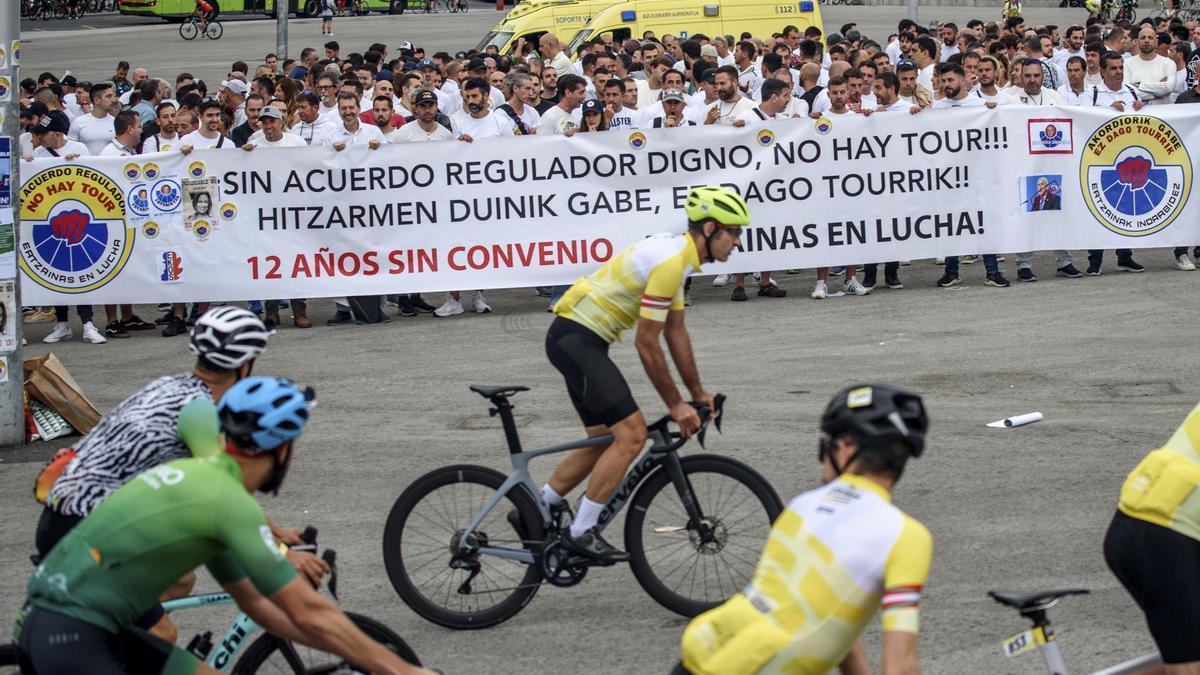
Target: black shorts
point(52, 527)
point(49, 643)
point(597, 388)
point(1161, 570)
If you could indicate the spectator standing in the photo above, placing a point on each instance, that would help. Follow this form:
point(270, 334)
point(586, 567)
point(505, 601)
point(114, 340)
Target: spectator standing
point(1152, 75)
point(1113, 92)
point(96, 129)
point(253, 107)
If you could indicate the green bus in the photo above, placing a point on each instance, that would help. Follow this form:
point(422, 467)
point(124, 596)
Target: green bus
point(177, 10)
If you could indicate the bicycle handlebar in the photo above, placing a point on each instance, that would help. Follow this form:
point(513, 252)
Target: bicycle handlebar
point(309, 537)
point(706, 415)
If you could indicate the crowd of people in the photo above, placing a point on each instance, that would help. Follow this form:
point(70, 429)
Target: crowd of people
point(377, 96)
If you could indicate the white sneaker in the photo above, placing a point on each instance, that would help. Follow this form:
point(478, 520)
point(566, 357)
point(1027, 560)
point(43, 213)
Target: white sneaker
point(856, 288)
point(91, 335)
point(62, 331)
point(1184, 264)
point(820, 291)
point(939, 261)
point(757, 276)
point(720, 280)
point(449, 308)
point(478, 304)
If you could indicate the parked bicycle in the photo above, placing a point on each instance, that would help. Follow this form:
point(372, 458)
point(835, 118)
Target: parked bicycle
point(194, 25)
point(467, 547)
point(1040, 637)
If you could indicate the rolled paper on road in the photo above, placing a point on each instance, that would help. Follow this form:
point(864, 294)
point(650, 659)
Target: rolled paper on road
point(1016, 421)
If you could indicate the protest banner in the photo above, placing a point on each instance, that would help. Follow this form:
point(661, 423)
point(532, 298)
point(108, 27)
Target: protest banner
point(313, 222)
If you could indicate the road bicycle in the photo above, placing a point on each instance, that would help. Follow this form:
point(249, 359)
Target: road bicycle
point(1040, 637)
point(267, 653)
point(190, 28)
point(467, 547)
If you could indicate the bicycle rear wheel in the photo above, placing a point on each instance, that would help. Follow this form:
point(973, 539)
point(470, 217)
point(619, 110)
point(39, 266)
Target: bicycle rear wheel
point(214, 30)
point(188, 30)
point(269, 654)
point(420, 544)
point(8, 660)
point(679, 570)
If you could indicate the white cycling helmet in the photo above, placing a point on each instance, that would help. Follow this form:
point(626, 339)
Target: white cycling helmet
point(228, 337)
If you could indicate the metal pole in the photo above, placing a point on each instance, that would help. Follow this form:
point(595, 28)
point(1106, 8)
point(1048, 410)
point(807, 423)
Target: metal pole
point(912, 9)
point(281, 19)
point(12, 386)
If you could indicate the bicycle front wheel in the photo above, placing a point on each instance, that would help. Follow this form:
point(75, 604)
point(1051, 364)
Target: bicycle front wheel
point(214, 31)
point(188, 30)
point(269, 654)
point(681, 568)
point(421, 548)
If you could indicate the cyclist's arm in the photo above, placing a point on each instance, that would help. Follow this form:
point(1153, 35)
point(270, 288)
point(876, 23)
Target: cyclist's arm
point(679, 342)
point(899, 653)
point(264, 612)
point(654, 360)
point(663, 293)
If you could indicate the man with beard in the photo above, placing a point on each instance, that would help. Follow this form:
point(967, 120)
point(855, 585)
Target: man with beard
point(730, 104)
point(519, 107)
point(383, 115)
point(351, 131)
point(1151, 74)
point(1031, 91)
point(549, 97)
point(167, 138)
point(954, 91)
point(987, 89)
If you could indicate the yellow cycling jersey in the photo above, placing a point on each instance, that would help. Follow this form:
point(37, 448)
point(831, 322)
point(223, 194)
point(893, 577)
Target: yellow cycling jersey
point(836, 556)
point(646, 279)
point(1163, 488)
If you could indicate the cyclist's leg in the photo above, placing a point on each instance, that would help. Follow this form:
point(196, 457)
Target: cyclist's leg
point(49, 643)
point(52, 527)
point(1161, 570)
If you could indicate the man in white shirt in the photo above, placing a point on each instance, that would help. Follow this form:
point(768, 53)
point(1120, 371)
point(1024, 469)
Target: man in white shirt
point(552, 54)
point(673, 112)
point(749, 78)
point(274, 133)
point(352, 131)
point(1074, 46)
point(327, 89)
point(313, 127)
point(128, 127)
point(476, 119)
point(1031, 91)
point(986, 89)
point(425, 126)
point(925, 57)
point(479, 68)
point(954, 90)
point(1113, 93)
point(1075, 91)
point(519, 107)
point(565, 116)
point(95, 129)
point(887, 95)
point(949, 35)
point(620, 117)
point(730, 102)
point(232, 96)
point(167, 137)
point(382, 114)
point(725, 55)
point(52, 130)
point(1151, 74)
point(209, 133)
point(1092, 53)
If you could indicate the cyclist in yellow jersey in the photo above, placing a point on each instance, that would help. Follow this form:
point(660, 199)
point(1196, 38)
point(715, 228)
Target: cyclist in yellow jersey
point(1153, 545)
point(835, 556)
point(644, 285)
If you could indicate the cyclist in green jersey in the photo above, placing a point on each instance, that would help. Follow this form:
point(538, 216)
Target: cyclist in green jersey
point(85, 596)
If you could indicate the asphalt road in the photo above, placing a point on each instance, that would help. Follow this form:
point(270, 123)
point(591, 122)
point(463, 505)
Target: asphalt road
point(1108, 360)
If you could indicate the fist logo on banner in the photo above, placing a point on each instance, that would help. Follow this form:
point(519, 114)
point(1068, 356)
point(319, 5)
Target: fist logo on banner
point(1136, 175)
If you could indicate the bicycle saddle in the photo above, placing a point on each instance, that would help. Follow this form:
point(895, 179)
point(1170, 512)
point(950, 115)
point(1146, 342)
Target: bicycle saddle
point(1023, 601)
point(491, 391)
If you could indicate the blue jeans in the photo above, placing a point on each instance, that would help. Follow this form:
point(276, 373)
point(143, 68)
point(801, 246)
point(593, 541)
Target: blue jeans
point(989, 264)
point(557, 292)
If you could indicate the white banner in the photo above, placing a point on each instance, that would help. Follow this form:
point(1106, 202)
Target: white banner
point(313, 222)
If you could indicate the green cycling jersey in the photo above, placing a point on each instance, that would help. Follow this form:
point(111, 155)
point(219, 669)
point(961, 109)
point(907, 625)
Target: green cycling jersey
point(157, 527)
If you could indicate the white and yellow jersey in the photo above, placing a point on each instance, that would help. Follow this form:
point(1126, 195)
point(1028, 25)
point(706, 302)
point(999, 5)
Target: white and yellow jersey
point(1165, 488)
point(835, 556)
point(646, 279)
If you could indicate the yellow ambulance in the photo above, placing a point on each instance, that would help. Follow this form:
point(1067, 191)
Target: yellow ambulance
point(685, 18)
point(533, 18)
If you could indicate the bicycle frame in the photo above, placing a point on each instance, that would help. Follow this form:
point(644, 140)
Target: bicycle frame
point(225, 651)
point(660, 453)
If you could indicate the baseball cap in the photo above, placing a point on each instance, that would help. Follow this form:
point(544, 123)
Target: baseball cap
point(69, 81)
point(709, 76)
point(55, 120)
point(476, 64)
point(631, 45)
point(426, 64)
point(592, 106)
point(35, 109)
point(459, 56)
point(673, 94)
point(384, 74)
point(236, 86)
point(405, 45)
point(271, 111)
point(425, 96)
point(708, 50)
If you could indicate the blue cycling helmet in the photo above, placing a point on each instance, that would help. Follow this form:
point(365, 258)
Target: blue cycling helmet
point(259, 413)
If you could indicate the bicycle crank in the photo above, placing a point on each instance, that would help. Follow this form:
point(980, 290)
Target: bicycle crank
point(559, 567)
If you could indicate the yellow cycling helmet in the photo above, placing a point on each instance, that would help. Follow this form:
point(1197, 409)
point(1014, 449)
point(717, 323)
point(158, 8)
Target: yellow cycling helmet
point(719, 203)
